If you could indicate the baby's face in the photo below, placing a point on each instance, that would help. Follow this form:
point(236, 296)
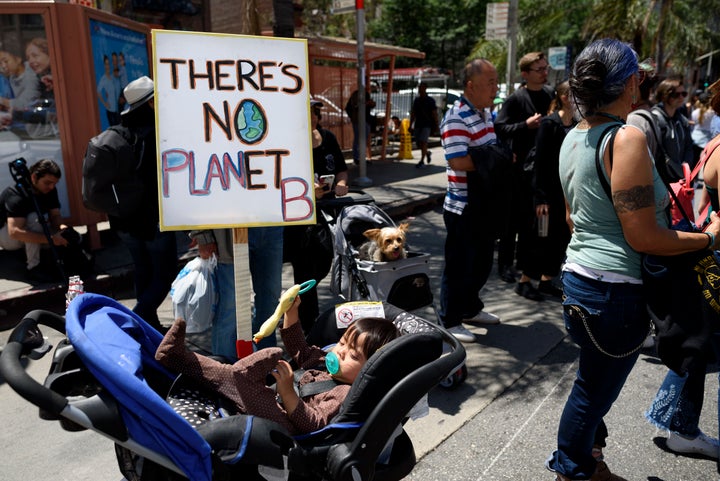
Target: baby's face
point(351, 360)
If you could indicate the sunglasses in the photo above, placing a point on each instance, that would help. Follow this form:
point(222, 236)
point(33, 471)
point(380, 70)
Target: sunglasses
point(678, 94)
point(539, 69)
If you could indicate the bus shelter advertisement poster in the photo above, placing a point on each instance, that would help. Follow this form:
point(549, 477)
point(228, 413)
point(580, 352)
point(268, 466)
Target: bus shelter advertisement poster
point(120, 55)
point(233, 130)
point(29, 127)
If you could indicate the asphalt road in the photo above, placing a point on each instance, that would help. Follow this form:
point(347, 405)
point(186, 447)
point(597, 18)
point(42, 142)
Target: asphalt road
point(499, 425)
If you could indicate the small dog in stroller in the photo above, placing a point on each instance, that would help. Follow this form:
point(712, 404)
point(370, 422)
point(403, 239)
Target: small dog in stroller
point(385, 245)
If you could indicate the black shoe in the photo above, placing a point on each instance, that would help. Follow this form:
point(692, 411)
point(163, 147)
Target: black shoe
point(419, 164)
point(547, 287)
point(428, 157)
point(526, 290)
point(507, 274)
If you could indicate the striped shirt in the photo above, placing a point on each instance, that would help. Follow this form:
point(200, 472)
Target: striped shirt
point(462, 127)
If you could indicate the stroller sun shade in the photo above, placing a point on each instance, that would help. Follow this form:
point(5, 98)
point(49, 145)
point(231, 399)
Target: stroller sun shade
point(118, 348)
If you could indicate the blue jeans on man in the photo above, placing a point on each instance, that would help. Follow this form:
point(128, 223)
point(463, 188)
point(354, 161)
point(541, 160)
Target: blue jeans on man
point(265, 258)
point(618, 321)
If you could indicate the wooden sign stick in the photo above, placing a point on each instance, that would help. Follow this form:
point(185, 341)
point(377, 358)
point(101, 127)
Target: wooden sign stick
point(243, 292)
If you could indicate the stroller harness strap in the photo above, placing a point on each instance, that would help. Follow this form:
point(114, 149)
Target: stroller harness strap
point(311, 388)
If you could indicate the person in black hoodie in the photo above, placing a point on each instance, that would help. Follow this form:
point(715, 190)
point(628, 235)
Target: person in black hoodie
point(154, 253)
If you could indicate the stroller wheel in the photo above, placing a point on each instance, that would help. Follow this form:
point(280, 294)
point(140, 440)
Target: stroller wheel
point(455, 379)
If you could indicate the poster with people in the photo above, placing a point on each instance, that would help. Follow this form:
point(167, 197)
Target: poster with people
point(234, 145)
point(120, 55)
point(28, 115)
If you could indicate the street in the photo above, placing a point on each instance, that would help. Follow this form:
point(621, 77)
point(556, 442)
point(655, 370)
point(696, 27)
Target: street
point(499, 425)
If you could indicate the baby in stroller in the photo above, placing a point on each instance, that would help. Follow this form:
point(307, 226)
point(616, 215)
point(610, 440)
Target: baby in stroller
point(320, 393)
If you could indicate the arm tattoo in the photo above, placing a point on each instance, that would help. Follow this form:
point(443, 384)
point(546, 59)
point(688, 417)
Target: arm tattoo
point(635, 198)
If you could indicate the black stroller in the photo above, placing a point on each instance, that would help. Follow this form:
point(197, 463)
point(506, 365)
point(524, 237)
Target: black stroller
point(404, 283)
point(104, 377)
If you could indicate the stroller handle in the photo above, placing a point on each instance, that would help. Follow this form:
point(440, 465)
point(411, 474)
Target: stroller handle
point(26, 340)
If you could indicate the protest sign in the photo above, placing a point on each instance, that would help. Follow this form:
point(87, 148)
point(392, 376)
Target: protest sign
point(234, 147)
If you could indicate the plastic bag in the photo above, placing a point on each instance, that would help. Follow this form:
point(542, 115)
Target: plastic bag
point(194, 294)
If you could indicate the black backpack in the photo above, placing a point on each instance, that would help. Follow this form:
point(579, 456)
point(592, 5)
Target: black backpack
point(111, 178)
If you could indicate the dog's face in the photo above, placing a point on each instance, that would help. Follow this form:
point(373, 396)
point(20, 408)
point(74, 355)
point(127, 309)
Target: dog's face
point(390, 241)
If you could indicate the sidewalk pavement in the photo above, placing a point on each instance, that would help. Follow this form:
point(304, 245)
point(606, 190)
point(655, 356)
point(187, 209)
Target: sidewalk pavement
point(398, 187)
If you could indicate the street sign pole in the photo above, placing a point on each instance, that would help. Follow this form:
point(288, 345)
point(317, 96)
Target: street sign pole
point(512, 45)
point(363, 180)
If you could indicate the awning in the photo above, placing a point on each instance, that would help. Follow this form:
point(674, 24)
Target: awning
point(332, 48)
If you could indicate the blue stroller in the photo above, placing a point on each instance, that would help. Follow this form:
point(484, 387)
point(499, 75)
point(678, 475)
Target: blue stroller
point(104, 377)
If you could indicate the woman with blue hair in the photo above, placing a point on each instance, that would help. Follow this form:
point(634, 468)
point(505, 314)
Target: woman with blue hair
point(617, 212)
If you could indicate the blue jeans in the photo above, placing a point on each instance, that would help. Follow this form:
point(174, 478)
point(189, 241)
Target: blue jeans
point(618, 323)
point(156, 266)
point(469, 252)
point(265, 257)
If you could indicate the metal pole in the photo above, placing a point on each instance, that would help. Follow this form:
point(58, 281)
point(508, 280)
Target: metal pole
point(512, 45)
point(363, 180)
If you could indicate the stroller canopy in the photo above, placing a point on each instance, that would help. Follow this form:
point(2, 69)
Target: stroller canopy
point(118, 348)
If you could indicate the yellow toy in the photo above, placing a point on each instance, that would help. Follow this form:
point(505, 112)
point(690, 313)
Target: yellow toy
point(286, 300)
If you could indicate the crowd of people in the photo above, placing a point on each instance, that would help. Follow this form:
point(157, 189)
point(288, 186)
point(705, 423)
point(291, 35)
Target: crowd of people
point(581, 205)
point(605, 204)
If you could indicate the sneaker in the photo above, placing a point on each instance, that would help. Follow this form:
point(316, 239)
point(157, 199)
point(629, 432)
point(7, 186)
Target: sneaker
point(602, 473)
point(526, 290)
point(701, 444)
point(419, 164)
point(483, 317)
point(547, 287)
point(461, 333)
point(428, 157)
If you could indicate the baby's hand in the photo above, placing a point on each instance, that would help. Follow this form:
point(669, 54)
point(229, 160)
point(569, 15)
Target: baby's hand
point(283, 375)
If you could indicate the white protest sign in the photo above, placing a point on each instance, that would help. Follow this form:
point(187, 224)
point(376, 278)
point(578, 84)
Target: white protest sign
point(234, 146)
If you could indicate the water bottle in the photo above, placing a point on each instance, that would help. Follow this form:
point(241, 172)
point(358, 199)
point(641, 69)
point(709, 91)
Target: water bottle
point(543, 225)
point(75, 288)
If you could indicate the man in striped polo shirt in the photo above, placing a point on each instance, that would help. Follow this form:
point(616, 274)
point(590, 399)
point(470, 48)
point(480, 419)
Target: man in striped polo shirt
point(469, 245)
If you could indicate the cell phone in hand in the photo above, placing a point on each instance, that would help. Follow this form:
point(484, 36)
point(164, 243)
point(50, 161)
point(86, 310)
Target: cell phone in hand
point(327, 181)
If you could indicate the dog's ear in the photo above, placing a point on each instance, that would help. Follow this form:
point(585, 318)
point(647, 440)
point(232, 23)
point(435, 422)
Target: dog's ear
point(404, 226)
point(372, 234)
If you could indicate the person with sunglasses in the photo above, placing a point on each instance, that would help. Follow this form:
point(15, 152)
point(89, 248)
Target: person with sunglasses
point(673, 126)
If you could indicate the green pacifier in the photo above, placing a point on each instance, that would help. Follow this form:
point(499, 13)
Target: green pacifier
point(332, 363)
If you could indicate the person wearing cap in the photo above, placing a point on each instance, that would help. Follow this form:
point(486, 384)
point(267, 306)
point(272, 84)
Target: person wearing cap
point(154, 253)
point(300, 241)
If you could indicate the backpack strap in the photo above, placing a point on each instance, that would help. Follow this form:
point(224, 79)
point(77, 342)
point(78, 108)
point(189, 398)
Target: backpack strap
point(311, 388)
point(137, 144)
point(706, 153)
point(612, 130)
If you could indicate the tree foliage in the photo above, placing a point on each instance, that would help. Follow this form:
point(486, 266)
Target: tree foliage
point(673, 32)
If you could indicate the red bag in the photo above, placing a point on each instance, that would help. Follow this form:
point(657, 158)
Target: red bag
point(684, 193)
point(683, 188)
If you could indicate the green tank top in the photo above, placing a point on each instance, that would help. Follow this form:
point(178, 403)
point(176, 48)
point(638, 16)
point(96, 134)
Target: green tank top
point(597, 241)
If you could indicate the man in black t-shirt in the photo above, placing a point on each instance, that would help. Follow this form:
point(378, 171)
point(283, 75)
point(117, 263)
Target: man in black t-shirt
point(21, 224)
